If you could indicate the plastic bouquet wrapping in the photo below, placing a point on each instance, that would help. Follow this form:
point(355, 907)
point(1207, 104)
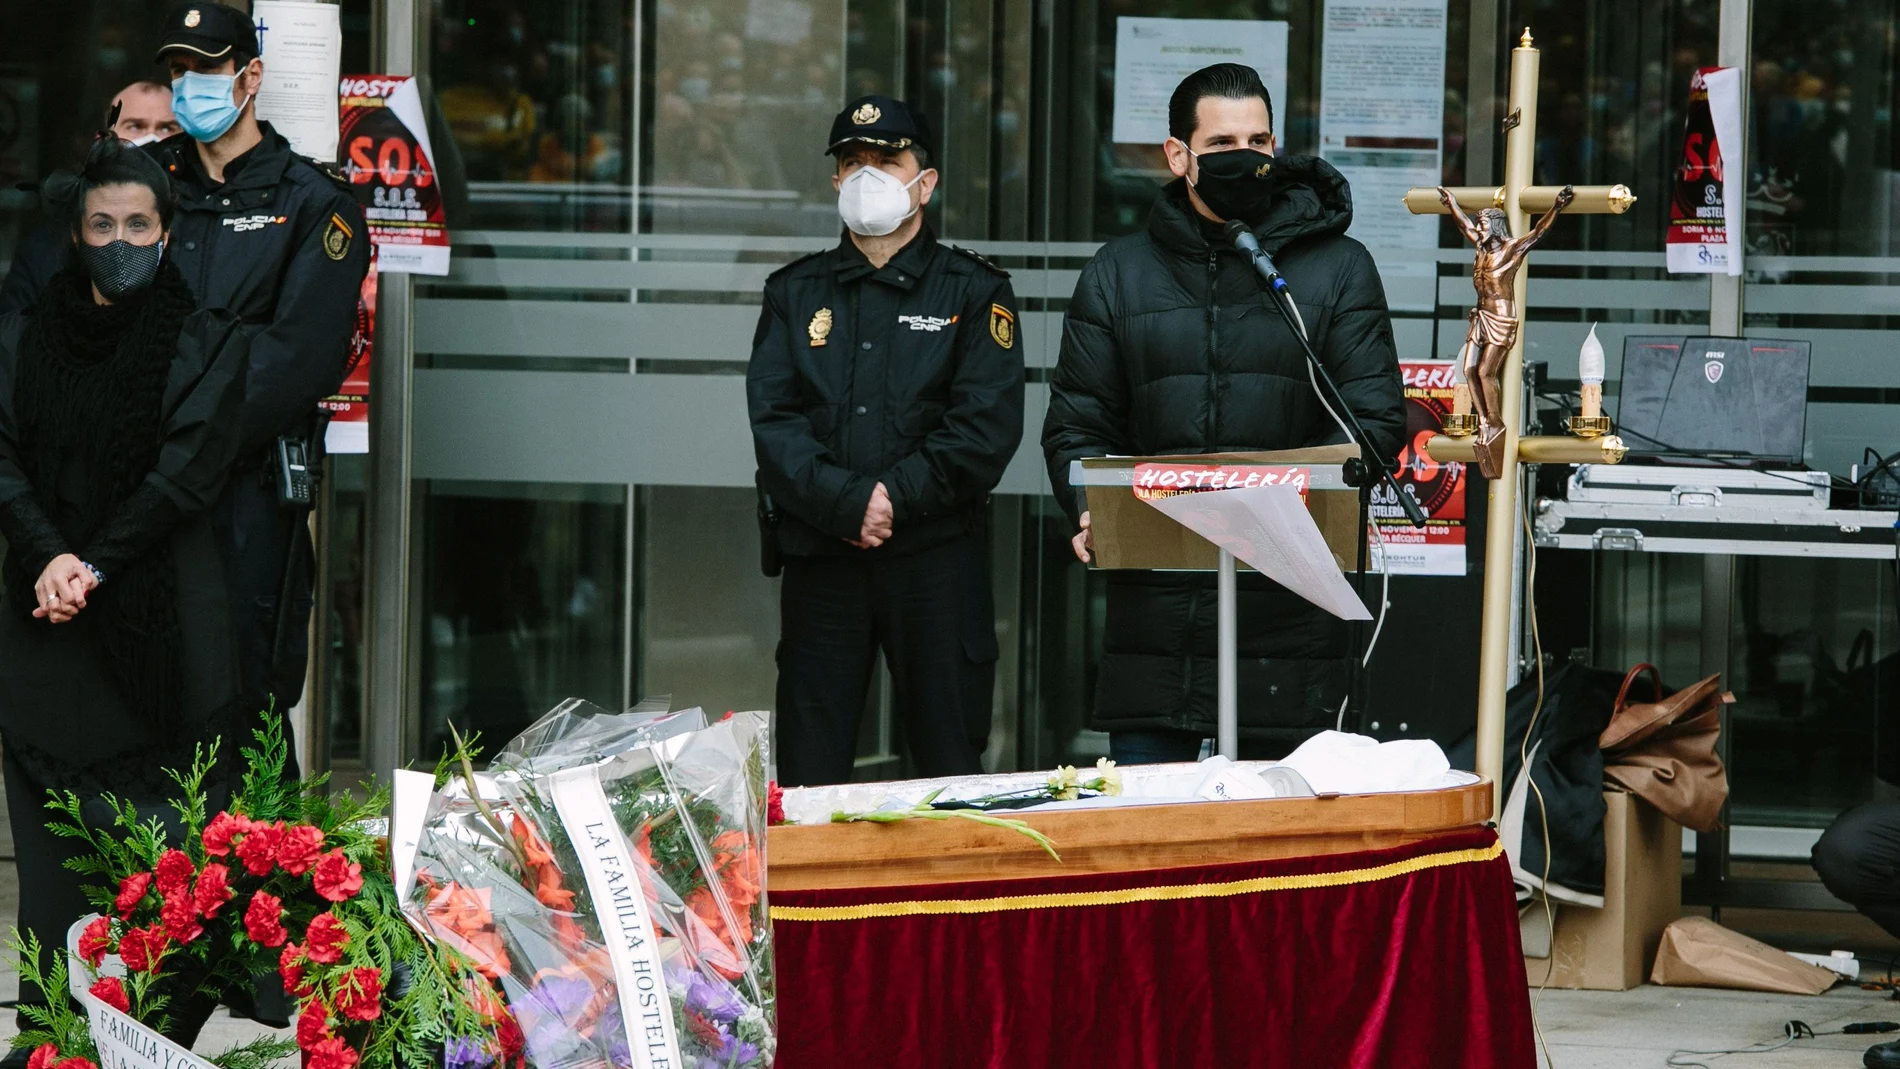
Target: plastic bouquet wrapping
point(608, 874)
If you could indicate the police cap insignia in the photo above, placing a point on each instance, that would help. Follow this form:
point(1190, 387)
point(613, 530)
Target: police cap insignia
point(192, 18)
point(337, 237)
point(867, 114)
point(1003, 326)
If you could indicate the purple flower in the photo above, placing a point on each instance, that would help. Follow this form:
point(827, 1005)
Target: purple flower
point(733, 1052)
point(552, 1014)
point(713, 998)
point(618, 1053)
point(464, 1052)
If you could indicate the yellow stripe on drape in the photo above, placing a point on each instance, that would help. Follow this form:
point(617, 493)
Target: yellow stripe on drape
point(1170, 893)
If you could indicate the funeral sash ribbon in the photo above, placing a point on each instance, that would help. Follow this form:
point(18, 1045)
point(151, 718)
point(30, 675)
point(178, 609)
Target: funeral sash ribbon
point(614, 883)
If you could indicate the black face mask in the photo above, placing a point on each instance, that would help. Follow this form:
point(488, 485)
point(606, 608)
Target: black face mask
point(120, 267)
point(1239, 184)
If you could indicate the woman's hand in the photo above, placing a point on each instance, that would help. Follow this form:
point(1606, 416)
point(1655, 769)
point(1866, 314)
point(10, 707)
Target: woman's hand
point(62, 589)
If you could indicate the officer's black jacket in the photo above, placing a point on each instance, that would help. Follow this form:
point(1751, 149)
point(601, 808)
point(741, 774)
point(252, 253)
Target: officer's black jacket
point(281, 244)
point(910, 375)
point(1168, 347)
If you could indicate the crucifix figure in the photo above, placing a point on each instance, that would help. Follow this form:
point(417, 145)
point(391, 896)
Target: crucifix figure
point(1494, 322)
point(1494, 364)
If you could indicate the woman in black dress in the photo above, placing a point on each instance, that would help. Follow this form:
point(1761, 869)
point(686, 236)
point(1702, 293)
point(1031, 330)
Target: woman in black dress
point(118, 428)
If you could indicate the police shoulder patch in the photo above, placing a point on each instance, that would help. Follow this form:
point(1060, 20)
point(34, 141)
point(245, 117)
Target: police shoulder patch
point(979, 258)
point(1003, 326)
point(337, 236)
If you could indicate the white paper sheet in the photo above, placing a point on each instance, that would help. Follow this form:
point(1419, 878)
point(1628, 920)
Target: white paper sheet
point(1153, 55)
point(1381, 122)
point(302, 49)
point(1270, 529)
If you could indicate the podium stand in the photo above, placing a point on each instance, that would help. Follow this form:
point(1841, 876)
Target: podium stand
point(1128, 533)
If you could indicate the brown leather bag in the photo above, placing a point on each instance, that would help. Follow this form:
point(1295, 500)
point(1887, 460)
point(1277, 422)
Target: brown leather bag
point(1664, 750)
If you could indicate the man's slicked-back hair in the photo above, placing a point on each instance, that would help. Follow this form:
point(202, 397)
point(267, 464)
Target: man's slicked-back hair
point(1230, 81)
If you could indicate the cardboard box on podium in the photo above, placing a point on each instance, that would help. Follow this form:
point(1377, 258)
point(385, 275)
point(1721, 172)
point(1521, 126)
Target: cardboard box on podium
point(1130, 533)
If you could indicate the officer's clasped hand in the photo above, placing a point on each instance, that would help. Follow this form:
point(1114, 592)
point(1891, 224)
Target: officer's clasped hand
point(876, 529)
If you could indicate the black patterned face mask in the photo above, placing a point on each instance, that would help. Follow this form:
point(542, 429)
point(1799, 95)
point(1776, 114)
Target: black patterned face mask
point(120, 267)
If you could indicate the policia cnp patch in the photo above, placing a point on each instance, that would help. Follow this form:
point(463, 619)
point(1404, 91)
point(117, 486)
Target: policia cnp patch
point(1003, 326)
point(337, 237)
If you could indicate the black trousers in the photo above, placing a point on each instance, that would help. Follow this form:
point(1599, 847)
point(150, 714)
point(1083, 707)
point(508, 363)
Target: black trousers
point(267, 553)
point(930, 612)
point(1858, 858)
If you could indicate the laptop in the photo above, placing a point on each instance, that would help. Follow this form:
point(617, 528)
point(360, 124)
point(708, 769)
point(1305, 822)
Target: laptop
point(1715, 399)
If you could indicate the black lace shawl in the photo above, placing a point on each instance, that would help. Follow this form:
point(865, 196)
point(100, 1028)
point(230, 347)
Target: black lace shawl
point(89, 407)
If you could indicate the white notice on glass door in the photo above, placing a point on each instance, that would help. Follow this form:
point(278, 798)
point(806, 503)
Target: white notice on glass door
point(302, 48)
point(1381, 122)
point(1153, 55)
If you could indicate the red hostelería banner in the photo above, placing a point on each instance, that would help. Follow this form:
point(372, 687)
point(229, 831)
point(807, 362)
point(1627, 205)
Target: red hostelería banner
point(1167, 480)
point(384, 143)
point(1438, 488)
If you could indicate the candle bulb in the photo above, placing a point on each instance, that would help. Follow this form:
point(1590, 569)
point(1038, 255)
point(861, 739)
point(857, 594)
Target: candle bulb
point(1590, 370)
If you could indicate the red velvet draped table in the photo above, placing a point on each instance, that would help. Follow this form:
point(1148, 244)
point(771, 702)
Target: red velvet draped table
point(1371, 930)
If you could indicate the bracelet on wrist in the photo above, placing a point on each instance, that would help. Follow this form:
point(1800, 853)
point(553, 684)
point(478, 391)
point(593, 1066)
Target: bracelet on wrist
point(98, 576)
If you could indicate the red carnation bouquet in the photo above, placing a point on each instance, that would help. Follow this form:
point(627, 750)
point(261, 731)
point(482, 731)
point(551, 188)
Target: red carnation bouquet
point(287, 878)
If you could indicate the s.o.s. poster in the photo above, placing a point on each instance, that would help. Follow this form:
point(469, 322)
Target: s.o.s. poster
point(1438, 488)
point(387, 159)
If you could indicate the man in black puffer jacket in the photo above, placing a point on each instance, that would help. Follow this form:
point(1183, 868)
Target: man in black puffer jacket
point(1169, 348)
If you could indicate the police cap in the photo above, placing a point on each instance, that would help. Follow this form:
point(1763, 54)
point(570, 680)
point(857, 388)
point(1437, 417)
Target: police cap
point(880, 120)
point(208, 29)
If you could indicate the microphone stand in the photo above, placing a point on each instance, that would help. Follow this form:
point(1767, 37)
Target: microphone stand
point(1359, 472)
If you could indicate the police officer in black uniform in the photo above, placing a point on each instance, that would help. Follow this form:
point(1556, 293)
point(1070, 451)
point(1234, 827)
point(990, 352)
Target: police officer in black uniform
point(886, 398)
point(279, 240)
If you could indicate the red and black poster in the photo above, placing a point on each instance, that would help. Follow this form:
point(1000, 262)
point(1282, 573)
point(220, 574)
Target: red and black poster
point(349, 406)
point(1705, 211)
point(384, 145)
point(1438, 488)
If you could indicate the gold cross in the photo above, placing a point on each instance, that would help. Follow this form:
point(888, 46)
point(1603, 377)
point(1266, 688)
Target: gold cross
point(1517, 197)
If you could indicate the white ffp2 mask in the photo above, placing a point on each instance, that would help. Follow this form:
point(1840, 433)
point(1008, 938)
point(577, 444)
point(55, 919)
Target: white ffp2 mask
point(872, 202)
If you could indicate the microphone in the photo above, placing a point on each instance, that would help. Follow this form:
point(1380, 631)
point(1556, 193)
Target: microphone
point(1243, 240)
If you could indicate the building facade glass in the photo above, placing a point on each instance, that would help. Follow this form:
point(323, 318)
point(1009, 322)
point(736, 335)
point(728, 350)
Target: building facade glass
point(625, 173)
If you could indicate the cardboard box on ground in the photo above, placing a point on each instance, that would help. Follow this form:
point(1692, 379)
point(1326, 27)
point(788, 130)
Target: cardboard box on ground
point(1613, 948)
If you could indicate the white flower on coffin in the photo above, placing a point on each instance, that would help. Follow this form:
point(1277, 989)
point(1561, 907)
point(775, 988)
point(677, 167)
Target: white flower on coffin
point(1065, 785)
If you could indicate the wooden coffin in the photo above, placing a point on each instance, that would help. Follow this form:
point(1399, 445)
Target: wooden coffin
point(1124, 839)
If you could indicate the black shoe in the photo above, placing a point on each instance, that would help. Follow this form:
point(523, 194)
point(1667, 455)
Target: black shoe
point(1878, 1056)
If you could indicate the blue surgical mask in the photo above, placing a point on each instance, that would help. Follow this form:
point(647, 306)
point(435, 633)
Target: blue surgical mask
point(203, 104)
